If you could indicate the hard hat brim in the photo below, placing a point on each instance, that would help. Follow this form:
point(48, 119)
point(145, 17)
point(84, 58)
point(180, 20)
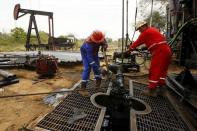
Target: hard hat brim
point(140, 24)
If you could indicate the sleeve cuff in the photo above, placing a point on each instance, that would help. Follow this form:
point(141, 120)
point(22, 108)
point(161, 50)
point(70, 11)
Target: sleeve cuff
point(131, 49)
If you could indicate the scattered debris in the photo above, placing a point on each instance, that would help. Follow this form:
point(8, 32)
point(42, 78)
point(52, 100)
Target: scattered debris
point(38, 80)
point(55, 98)
point(78, 114)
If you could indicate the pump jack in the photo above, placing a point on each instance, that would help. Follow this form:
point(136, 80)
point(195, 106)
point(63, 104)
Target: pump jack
point(32, 20)
point(53, 42)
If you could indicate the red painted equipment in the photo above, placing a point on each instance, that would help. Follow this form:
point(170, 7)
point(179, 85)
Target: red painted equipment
point(46, 65)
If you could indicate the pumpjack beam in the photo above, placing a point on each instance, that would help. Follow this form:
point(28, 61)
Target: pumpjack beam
point(35, 12)
point(18, 10)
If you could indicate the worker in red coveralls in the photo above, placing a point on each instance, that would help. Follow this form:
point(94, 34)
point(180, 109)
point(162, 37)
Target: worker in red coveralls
point(89, 52)
point(161, 56)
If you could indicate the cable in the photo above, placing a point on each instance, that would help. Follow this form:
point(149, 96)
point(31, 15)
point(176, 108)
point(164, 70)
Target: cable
point(192, 21)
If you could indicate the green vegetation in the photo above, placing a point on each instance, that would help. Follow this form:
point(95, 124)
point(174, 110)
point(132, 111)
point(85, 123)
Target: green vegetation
point(158, 14)
point(9, 43)
point(159, 20)
point(16, 40)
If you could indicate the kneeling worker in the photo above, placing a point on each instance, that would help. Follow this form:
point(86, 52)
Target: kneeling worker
point(89, 52)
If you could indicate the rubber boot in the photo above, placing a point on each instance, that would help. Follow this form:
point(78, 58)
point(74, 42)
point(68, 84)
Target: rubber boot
point(161, 90)
point(104, 72)
point(150, 92)
point(98, 83)
point(83, 91)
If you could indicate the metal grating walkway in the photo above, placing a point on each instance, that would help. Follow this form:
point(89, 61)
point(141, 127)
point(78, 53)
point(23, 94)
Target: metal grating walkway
point(59, 118)
point(163, 116)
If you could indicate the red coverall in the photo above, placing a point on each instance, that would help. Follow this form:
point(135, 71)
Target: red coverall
point(161, 55)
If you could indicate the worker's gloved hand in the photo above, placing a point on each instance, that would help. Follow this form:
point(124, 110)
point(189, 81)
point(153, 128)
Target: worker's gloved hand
point(127, 53)
point(144, 48)
point(127, 46)
point(130, 50)
point(104, 47)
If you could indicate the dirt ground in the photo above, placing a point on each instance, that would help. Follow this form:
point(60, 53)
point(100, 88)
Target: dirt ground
point(16, 113)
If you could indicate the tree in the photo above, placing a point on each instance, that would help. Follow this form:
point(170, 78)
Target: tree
point(158, 20)
point(158, 14)
point(18, 34)
point(109, 40)
point(144, 7)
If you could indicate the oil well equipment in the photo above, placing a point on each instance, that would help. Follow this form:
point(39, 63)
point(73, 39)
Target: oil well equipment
point(53, 42)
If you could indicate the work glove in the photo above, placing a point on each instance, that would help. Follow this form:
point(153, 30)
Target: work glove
point(127, 53)
point(144, 48)
point(104, 47)
point(130, 50)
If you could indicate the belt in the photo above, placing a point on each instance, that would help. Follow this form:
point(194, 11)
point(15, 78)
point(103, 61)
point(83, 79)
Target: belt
point(154, 44)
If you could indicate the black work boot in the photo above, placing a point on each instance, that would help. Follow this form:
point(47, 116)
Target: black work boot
point(150, 92)
point(82, 91)
point(161, 90)
point(104, 72)
point(83, 85)
point(98, 83)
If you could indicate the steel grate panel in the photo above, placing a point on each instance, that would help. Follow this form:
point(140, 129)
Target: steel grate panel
point(163, 116)
point(58, 118)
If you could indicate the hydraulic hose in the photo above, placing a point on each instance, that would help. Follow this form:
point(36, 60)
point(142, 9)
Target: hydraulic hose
point(186, 24)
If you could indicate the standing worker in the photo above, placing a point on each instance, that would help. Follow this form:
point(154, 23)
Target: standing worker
point(89, 52)
point(161, 56)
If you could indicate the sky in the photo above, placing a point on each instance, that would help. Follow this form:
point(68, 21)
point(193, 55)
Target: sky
point(78, 17)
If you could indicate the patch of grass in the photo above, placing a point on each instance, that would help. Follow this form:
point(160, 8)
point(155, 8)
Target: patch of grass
point(12, 46)
point(9, 44)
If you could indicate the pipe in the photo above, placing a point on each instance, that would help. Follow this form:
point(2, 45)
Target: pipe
point(127, 35)
point(7, 75)
point(135, 21)
point(151, 15)
point(45, 93)
point(122, 30)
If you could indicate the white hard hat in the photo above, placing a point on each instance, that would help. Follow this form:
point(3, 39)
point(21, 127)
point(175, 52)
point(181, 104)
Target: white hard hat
point(140, 24)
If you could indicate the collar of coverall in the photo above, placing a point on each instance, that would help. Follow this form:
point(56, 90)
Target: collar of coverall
point(145, 29)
